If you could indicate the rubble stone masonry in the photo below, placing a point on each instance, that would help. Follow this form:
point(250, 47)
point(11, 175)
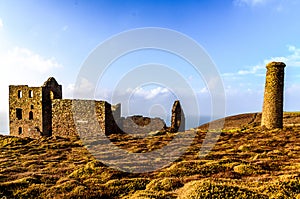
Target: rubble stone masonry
point(25, 111)
point(41, 111)
point(178, 119)
point(272, 114)
point(78, 117)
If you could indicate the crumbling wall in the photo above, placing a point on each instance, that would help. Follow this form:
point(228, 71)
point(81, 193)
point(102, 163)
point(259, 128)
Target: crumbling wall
point(62, 118)
point(272, 114)
point(177, 119)
point(83, 117)
point(142, 126)
point(41, 111)
point(25, 111)
point(112, 117)
point(50, 90)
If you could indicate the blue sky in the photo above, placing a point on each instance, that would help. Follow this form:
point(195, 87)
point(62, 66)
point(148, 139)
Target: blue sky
point(39, 39)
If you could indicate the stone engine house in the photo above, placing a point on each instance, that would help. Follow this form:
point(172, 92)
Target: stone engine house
point(41, 111)
point(30, 109)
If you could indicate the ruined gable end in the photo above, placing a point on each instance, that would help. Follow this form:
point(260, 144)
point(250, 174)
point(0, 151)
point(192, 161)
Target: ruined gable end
point(177, 119)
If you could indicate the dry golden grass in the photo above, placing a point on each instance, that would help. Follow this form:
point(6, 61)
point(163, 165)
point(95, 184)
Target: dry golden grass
point(246, 162)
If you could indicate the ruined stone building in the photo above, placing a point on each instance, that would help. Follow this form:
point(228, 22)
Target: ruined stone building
point(41, 111)
point(30, 108)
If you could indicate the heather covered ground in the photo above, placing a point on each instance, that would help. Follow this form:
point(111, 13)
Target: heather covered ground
point(247, 162)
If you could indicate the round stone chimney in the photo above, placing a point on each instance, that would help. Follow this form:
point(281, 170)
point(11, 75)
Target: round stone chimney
point(272, 113)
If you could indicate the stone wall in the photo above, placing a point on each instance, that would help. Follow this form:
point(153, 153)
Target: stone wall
point(50, 90)
point(178, 119)
point(141, 126)
point(25, 111)
point(41, 111)
point(62, 118)
point(77, 117)
point(112, 117)
point(83, 117)
point(272, 114)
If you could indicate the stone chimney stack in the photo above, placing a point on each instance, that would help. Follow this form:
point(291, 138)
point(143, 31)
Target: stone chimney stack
point(272, 114)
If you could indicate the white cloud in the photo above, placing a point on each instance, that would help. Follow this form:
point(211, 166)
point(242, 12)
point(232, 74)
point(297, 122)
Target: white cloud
point(25, 59)
point(291, 60)
point(253, 70)
point(149, 94)
point(250, 2)
point(242, 85)
point(68, 90)
point(204, 90)
point(84, 89)
point(24, 67)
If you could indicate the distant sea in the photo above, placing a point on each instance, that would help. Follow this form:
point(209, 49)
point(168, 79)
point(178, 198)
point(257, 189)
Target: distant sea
point(191, 123)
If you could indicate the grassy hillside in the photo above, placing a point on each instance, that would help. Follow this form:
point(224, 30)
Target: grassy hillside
point(246, 162)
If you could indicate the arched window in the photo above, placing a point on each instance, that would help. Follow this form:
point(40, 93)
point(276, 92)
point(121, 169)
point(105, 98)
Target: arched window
point(20, 130)
point(31, 94)
point(19, 94)
point(31, 115)
point(31, 106)
point(51, 95)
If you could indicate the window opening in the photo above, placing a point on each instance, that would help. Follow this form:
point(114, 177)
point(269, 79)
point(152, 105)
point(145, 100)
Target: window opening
point(51, 95)
point(31, 115)
point(20, 130)
point(19, 94)
point(19, 113)
point(31, 94)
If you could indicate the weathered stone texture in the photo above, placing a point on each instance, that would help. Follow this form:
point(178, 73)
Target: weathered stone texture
point(272, 114)
point(51, 90)
point(27, 101)
point(34, 105)
point(142, 126)
point(178, 119)
point(41, 111)
point(62, 118)
point(82, 117)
